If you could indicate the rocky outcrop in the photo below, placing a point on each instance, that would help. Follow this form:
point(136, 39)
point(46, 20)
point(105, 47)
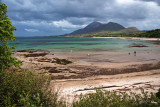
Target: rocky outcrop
point(61, 61)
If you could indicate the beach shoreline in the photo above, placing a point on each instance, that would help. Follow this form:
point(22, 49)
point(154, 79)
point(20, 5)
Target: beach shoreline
point(134, 38)
point(73, 73)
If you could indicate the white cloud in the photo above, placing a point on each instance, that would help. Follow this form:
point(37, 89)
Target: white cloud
point(122, 2)
point(65, 24)
point(31, 30)
point(32, 23)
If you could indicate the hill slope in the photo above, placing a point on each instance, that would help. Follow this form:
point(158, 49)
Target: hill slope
point(127, 32)
point(151, 34)
point(130, 30)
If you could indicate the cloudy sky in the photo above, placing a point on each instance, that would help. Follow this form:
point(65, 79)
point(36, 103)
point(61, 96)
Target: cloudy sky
point(56, 17)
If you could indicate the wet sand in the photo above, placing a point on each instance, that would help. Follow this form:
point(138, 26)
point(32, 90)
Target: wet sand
point(117, 71)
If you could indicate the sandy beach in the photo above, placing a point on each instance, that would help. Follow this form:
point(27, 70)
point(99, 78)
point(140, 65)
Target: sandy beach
point(75, 73)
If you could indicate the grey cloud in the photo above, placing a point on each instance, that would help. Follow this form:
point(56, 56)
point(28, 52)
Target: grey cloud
point(81, 12)
point(62, 9)
point(57, 10)
point(156, 1)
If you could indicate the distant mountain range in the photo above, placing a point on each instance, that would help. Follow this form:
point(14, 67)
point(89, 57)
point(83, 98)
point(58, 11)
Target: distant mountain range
point(98, 27)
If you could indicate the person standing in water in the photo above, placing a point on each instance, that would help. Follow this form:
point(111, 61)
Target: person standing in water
point(134, 53)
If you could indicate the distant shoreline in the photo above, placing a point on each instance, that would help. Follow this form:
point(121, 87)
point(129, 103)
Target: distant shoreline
point(135, 38)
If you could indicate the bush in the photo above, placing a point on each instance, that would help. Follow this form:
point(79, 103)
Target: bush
point(114, 99)
point(27, 89)
point(158, 94)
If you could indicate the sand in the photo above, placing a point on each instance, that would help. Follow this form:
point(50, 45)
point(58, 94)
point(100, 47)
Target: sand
point(148, 80)
point(116, 71)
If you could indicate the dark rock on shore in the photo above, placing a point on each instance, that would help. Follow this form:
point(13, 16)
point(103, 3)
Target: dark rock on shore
point(61, 61)
point(33, 50)
point(30, 50)
point(54, 70)
point(44, 60)
point(48, 68)
point(59, 77)
point(137, 45)
point(35, 54)
point(55, 60)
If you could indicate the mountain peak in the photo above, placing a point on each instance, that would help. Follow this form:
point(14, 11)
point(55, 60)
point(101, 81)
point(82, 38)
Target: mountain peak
point(93, 24)
point(111, 23)
point(97, 27)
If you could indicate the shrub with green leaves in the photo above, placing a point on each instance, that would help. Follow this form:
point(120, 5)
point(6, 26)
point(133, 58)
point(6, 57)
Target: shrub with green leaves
point(28, 89)
point(114, 99)
point(6, 35)
point(158, 93)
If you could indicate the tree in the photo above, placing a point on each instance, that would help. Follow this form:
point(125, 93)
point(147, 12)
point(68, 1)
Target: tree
point(6, 35)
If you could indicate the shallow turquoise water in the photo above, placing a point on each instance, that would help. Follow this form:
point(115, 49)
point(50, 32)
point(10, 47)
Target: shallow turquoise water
point(67, 44)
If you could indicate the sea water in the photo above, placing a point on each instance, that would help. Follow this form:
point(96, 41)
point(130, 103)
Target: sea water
point(76, 44)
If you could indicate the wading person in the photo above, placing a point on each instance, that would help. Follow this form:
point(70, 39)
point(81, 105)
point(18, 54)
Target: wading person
point(134, 53)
